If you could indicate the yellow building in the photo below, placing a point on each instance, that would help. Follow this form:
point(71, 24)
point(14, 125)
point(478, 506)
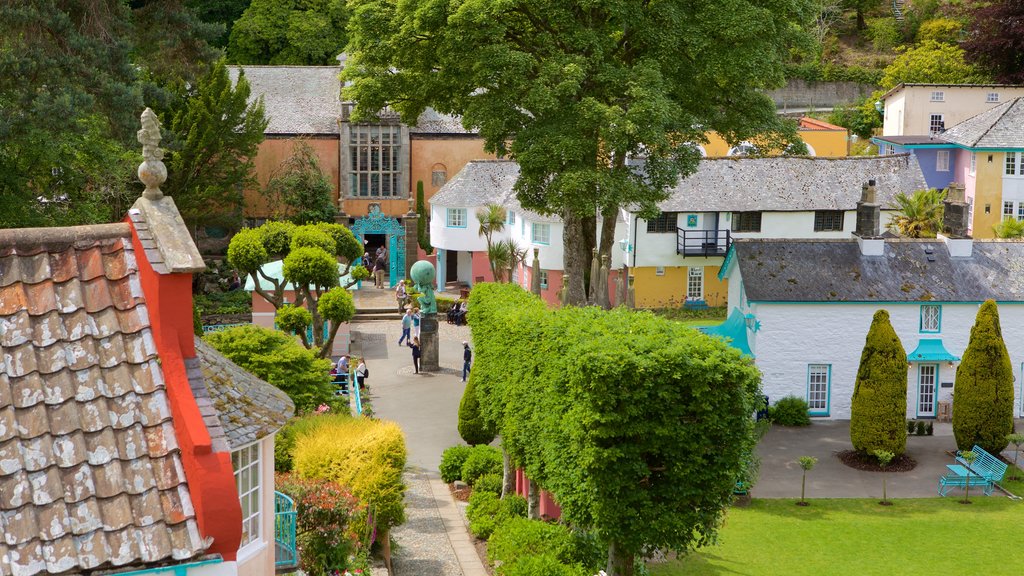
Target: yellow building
point(822, 139)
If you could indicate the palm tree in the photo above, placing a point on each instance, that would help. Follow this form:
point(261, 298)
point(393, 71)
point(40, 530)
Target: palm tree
point(1009, 228)
point(492, 219)
point(499, 256)
point(920, 213)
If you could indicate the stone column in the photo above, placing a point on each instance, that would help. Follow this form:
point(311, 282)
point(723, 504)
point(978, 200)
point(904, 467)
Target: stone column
point(412, 240)
point(428, 344)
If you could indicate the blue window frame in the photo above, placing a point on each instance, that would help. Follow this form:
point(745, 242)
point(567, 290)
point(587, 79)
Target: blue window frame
point(819, 389)
point(543, 279)
point(456, 218)
point(511, 218)
point(931, 318)
point(541, 233)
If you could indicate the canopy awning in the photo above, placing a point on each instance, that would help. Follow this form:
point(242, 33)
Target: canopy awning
point(931, 350)
point(733, 331)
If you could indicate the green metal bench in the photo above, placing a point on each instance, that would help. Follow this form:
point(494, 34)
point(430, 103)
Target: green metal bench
point(985, 465)
point(951, 481)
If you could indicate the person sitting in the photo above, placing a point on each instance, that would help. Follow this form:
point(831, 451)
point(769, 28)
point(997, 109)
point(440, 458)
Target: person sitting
point(460, 316)
point(453, 311)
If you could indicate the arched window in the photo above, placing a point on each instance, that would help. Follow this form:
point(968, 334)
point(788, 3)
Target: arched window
point(743, 149)
point(438, 175)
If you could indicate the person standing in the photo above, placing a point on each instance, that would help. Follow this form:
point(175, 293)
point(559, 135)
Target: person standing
point(362, 373)
point(378, 270)
point(415, 345)
point(467, 359)
point(401, 295)
point(416, 319)
point(406, 326)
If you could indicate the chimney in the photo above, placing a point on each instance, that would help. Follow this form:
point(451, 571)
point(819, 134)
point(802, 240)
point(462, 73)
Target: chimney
point(868, 222)
point(955, 216)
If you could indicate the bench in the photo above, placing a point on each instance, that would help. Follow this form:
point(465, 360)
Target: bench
point(950, 481)
point(985, 465)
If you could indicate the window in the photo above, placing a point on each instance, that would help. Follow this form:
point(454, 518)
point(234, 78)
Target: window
point(246, 462)
point(374, 156)
point(974, 163)
point(746, 221)
point(992, 97)
point(664, 223)
point(1007, 210)
point(456, 217)
point(695, 284)
point(743, 149)
point(541, 233)
point(938, 96)
point(543, 279)
point(942, 161)
point(828, 220)
point(511, 218)
point(936, 124)
point(931, 318)
point(818, 389)
point(1020, 211)
point(659, 270)
point(1012, 164)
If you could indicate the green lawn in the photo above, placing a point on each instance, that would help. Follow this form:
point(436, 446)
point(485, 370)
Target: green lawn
point(859, 537)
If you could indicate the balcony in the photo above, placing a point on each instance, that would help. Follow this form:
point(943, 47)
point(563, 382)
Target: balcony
point(286, 553)
point(702, 242)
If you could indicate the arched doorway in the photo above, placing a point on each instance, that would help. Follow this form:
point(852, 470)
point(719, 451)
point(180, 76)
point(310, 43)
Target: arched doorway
point(393, 233)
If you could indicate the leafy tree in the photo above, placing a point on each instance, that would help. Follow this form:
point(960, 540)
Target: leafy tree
point(806, 464)
point(884, 458)
point(473, 429)
point(932, 62)
point(492, 220)
point(423, 221)
point(302, 189)
point(879, 409)
point(296, 32)
point(969, 456)
point(1009, 228)
point(570, 91)
point(920, 214)
point(172, 43)
point(309, 255)
point(223, 13)
point(277, 358)
point(862, 7)
point(215, 137)
point(983, 392)
point(1017, 440)
point(995, 40)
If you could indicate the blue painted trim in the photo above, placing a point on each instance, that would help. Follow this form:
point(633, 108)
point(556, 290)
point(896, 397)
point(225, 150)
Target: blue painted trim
point(876, 140)
point(533, 234)
point(828, 391)
point(920, 323)
point(911, 302)
point(729, 257)
point(448, 217)
point(935, 392)
point(1022, 388)
point(178, 569)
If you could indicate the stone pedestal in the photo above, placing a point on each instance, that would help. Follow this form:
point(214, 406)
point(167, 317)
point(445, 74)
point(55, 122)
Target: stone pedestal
point(428, 344)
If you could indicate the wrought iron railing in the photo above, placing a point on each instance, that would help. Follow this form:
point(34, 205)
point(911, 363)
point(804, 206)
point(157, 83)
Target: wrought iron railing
point(702, 242)
point(286, 552)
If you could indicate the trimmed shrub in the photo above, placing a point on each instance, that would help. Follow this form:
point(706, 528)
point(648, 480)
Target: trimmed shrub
point(472, 427)
point(486, 512)
point(488, 483)
point(983, 392)
point(920, 428)
point(790, 411)
point(515, 544)
point(366, 455)
point(546, 564)
point(481, 460)
point(880, 391)
point(284, 441)
point(452, 460)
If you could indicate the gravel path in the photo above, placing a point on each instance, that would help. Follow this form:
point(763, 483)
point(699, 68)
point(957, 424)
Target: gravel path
point(423, 545)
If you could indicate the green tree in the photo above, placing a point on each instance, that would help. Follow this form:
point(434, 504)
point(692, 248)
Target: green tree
point(1009, 228)
point(570, 92)
point(277, 358)
point(214, 140)
point(983, 392)
point(1017, 440)
point(492, 220)
point(884, 458)
point(879, 409)
point(223, 13)
point(309, 256)
point(932, 62)
point(861, 7)
point(301, 191)
point(473, 429)
point(969, 456)
point(296, 32)
point(920, 214)
point(806, 464)
point(423, 221)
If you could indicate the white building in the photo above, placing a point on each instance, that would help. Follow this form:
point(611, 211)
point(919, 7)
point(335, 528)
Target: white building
point(911, 109)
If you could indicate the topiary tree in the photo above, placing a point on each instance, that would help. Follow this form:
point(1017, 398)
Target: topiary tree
point(806, 464)
point(310, 255)
point(884, 458)
point(472, 427)
point(880, 392)
point(983, 401)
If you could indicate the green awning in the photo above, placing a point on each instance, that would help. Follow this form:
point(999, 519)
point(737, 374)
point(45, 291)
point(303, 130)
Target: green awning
point(931, 350)
point(733, 331)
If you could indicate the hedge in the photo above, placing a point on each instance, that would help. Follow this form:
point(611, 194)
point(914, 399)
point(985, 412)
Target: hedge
point(879, 409)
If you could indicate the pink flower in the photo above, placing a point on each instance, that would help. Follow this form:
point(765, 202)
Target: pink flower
point(322, 408)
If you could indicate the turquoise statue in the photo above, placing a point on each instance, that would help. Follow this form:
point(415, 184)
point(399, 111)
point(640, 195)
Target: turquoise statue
point(423, 275)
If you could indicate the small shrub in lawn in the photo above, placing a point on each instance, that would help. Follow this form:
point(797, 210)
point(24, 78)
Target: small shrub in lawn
point(481, 460)
point(452, 460)
point(920, 427)
point(790, 411)
point(488, 483)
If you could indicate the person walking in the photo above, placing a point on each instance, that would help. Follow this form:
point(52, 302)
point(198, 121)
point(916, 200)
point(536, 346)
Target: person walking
point(378, 270)
point(467, 359)
point(362, 373)
point(415, 345)
point(406, 326)
point(416, 319)
point(401, 295)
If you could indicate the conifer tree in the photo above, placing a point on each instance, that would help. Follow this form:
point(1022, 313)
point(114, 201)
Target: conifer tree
point(880, 393)
point(983, 393)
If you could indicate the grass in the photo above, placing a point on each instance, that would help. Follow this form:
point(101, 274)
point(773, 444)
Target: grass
point(857, 536)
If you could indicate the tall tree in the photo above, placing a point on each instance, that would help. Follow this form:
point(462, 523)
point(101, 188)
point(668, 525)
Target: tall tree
point(301, 190)
point(932, 62)
point(297, 32)
point(570, 90)
point(983, 392)
point(212, 146)
point(995, 40)
point(221, 12)
point(879, 407)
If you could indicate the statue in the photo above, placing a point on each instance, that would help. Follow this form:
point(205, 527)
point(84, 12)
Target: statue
point(423, 276)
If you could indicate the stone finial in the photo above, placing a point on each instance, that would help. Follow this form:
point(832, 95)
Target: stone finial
point(152, 171)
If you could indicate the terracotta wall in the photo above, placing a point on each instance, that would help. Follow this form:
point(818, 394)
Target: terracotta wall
point(273, 152)
point(448, 154)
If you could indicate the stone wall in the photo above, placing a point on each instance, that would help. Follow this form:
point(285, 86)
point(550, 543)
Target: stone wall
point(801, 94)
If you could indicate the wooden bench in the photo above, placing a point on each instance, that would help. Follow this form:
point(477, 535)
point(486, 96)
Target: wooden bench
point(985, 465)
point(952, 480)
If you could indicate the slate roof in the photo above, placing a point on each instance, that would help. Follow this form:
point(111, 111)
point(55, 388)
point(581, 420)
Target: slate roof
point(482, 182)
point(248, 408)
point(999, 127)
point(924, 139)
point(792, 183)
point(90, 472)
point(298, 99)
point(433, 122)
point(910, 270)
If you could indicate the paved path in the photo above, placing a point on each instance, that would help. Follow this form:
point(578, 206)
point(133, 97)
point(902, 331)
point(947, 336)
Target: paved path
point(434, 539)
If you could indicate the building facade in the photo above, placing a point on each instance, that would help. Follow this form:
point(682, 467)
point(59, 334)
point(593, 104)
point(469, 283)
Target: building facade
point(911, 109)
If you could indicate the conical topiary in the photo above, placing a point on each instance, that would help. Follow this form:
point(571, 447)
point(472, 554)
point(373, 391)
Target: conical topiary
point(878, 413)
point(983, 393)
point(472, 427)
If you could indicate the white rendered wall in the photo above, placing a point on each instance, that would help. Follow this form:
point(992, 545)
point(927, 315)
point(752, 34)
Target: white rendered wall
point(792, 336)
point(464, 273)
point(895, 110)
point(958, 104)
point(459, 239)
point(1013, 188)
